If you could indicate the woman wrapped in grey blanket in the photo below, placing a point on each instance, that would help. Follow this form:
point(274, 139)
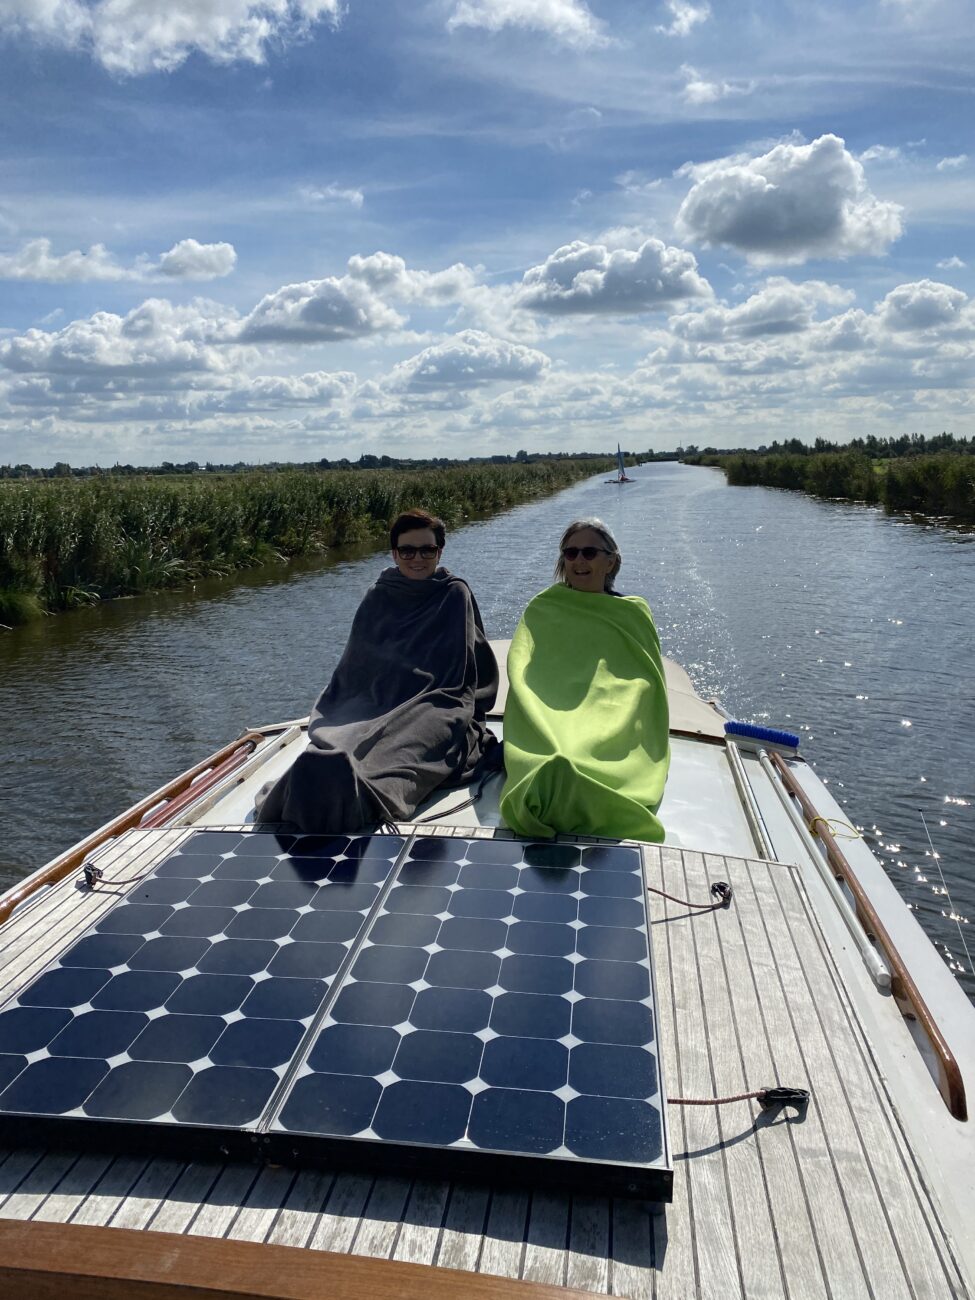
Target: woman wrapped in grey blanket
point(405, 710)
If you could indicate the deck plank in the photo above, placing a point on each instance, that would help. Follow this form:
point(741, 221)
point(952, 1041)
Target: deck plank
point(887, 1264)
point(180, 1203)
point(263, 1203)
point(701, 1161)
point(423, 1222)
point(905, 1258)
point(382, 1217)
point(98, 1208)
point(588, 1262)
point(802, 1065)
point(463, 1230)
point(302, 1208)
point(756, 1238)
point(504, 1235)
point(342, 1214)
point(157, 1179)
point(760, 1016)
point(545, 1243)
point(632, 1259)
point(36, 1187)
point(67, 1195)
point(672, 1232)
point(225, 1201)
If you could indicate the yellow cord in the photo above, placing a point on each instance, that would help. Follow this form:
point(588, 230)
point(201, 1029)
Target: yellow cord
point(830, 823)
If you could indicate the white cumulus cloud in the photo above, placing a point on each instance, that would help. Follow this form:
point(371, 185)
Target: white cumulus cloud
point(470, 359)
point(950, 264)
point(136, 36)
point(569, 21)
point(36, 261)
point(591, 278)
point(684, 17)
point(153, 339)
point(923, 305)
point(795, 202)
point(319, 311)
point(952, 164)
point(190, 260)
point(779, 307)
point(187, 260)
point(388, 274)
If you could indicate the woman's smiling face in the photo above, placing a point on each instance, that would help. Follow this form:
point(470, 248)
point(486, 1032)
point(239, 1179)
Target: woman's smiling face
point(588, 575)
point(413, 564)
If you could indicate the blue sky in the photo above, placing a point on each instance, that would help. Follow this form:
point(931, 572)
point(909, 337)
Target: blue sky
point(286, 229)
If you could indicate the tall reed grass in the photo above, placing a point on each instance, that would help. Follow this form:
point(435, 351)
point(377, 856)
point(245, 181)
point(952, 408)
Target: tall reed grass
point(65, 543)
point(941, 484)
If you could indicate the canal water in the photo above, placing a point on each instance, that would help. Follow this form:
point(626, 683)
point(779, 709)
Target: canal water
point(855, 629)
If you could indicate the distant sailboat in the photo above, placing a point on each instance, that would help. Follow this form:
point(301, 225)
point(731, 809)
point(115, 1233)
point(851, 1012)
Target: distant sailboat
point(621, 476)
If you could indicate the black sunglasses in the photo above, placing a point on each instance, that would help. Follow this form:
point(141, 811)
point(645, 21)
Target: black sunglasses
point(587, 552)
point(424, 552)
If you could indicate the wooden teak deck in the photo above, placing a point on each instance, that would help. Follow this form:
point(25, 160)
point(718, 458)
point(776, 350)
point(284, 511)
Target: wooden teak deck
point(766, 1204)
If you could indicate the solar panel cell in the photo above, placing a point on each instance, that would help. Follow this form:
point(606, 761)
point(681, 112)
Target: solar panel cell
point(436, 1113)
point(27, 1029)
point(508, 1119)
point(438, 1056)
point(355, 1049)
point(529, 1015)
point(331, 1103)
point(100, 1034)
point(225, 1096)
point(138, 1090)
point(257, 1043)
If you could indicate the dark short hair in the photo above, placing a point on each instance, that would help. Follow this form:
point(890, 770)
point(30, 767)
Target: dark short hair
point(411, 519)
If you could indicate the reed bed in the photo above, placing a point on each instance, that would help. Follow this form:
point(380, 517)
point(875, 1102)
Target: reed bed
point(941, 484)
point(66, 543)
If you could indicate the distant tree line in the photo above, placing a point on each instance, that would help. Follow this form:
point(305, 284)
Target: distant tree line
point(908, 444)
point(367, 461)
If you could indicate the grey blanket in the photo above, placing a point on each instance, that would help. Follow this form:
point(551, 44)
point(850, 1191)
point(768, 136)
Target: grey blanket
point(403, 714)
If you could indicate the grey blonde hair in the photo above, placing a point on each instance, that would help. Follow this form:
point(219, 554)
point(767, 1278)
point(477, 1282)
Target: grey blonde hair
point(609, 541)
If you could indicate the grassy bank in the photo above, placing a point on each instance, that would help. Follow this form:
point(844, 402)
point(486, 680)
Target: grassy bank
point(941, 484)
point(66, 543)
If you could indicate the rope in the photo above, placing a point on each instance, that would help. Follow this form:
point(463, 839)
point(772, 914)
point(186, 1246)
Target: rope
point(831, 823)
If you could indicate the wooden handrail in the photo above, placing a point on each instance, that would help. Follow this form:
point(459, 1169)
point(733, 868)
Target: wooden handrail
point(951, 1085)
point(213, 777)
point(71, 1261)
point(174, 795)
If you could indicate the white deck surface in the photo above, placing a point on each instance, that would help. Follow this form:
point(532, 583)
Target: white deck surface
point(764, 1205)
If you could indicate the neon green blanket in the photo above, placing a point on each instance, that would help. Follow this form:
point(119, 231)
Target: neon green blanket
point(586, 723)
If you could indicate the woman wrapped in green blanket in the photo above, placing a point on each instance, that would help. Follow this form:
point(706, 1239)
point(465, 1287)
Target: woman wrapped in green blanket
point(586, 722)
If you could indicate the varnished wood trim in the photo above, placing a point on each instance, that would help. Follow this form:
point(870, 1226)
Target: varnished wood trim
point(49, 1261)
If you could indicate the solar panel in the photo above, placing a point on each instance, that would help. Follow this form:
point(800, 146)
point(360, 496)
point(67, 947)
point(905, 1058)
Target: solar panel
point(466, 1007)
